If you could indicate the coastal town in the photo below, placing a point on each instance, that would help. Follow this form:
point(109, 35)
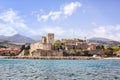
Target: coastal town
point(66, 47)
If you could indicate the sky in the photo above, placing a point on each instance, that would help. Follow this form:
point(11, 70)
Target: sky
point(64, 18)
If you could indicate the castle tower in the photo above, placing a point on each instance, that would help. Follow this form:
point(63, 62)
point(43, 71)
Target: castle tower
point(50, 38)
point(43, 39)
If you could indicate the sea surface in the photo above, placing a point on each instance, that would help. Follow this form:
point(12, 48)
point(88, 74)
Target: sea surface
point(28, 69)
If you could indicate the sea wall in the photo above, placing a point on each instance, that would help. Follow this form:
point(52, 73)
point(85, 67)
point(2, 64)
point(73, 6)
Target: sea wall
point(40, 52)
point(54, 57)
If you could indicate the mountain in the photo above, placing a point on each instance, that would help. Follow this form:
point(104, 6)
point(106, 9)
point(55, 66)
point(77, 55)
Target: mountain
point(17, 39)
point(100, 39)
point(104, 41)
point(6, 44)
point(2, 37)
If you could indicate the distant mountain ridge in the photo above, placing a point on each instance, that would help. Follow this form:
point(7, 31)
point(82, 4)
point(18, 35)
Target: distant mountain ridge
point(16, 39)
point(6, 44)
point(104, 41)
point(101, 39)
point(23, 39)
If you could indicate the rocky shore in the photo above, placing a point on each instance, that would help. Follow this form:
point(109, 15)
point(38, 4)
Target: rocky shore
point(54, 57)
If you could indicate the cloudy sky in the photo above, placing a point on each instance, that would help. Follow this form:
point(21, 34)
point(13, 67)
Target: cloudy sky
point(65, 18)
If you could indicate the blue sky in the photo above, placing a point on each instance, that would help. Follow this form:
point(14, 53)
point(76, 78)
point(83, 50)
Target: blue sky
point(65, 18)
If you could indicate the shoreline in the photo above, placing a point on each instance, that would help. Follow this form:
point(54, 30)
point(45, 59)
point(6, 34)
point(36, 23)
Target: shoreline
point(61, 57)
point(54, 57)
point(112, 58)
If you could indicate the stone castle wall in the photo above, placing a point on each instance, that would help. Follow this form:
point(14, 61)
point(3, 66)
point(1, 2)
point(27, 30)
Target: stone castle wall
point(41, 52)
point(39, 45)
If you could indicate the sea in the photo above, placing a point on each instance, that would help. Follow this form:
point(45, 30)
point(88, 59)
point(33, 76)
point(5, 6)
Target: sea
point(30, 69)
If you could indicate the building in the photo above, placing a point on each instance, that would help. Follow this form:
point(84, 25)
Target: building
point(45, 44)
point(50, 38)
point(75, 44)
point(46, 47)
point(92, 46)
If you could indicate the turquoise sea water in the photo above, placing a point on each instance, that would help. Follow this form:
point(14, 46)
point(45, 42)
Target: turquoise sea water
point(25, 69)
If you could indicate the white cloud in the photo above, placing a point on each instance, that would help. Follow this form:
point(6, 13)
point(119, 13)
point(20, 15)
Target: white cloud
point(11, 23)
point(65, 11)
point(118, 27)
point(56, 30)
point(6, 30)
point(108, 31)
point(55, 15)
point(101, 31)
point(51, 15)
point(43, 17)
point(69, 9)
point(94, 24)
point(9, 16)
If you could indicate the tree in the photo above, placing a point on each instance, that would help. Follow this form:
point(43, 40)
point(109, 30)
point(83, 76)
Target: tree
point(98, 47)
point(22, 48)
point(108, 52)
point(27, 47)
point(11, 53)
point(102, 47)
point(109, 48)
point(57, 43)
point(115, 48)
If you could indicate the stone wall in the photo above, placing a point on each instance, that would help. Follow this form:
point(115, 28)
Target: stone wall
point(40, 52)
point(82, 46)
point(117, 53)
point(92, 46)
point(39, 45)
point(96, 52)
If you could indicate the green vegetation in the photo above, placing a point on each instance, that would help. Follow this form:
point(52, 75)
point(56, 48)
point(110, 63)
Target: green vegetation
point(57, 43)
point(26, 49)
point(100, 47)
point(115, 48)
point(11, 53)
point(23, 47)
point(100, 51)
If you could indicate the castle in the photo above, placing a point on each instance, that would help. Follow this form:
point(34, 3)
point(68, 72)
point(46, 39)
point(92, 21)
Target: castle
point(46, 46)
point(46, 43)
